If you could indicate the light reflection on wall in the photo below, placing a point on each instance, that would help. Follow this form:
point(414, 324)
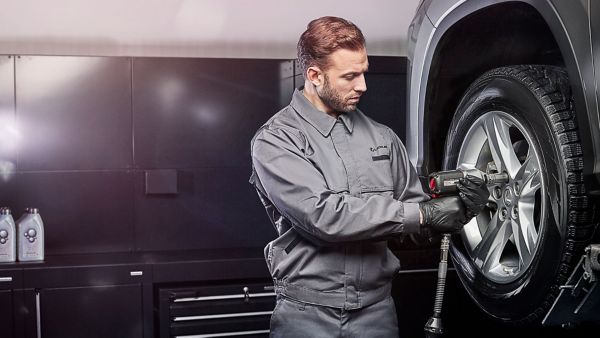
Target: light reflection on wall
point(9, 136)
point(65, 71)
point(171, 91)
point(7, 170)
point(207, 116)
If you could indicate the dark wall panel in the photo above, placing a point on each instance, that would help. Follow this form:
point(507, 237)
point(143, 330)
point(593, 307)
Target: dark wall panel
point(90, 128)
point(203, 112)
point(385, 99)
point(74, 112)
point(8, 191)
point(199, 116)
point(215, 208)
point(83, 212)
point(383, 103)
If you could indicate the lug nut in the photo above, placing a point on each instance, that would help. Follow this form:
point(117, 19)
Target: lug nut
point(517, 188)
point(497, 193)
point(515, 213)
point(503, 214)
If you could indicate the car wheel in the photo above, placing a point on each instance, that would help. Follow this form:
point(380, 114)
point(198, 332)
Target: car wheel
point(514, 255)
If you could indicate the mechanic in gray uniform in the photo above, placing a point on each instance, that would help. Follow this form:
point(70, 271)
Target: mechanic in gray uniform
point(337, 185)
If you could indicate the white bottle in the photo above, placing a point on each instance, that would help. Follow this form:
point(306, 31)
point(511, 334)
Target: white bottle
point(8, 240)
point(30, 242)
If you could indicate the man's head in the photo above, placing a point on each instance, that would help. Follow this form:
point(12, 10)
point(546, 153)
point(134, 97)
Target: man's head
point(333, 58)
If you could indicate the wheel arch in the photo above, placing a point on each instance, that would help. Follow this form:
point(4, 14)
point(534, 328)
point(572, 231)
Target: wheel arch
point(500, 34)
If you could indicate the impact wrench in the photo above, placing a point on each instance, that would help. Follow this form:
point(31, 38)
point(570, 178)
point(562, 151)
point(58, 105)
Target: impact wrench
point(443, 183)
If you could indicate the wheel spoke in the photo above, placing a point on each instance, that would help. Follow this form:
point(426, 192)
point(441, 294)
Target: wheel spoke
point(471, 232)
point(488, 251)
point(500, 144)
point(526, 208)
point(525, 169)
point(473, 144)
point(530, 185)
point(491, 198)
point(525, 238)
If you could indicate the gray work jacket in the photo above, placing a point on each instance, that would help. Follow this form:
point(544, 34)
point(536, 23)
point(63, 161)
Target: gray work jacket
point(336, 190)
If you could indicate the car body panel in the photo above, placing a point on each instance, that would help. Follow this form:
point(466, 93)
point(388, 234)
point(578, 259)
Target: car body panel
point(595, 32)
point(420, 35)
point(439, 9)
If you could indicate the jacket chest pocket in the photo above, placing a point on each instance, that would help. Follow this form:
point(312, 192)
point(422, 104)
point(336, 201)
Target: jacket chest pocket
point(377, 171)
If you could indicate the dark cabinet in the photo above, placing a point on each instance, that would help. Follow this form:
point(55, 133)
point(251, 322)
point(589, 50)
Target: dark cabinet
point(93, 301)
point(221, 310)
point(96, 311)
point(117, 295)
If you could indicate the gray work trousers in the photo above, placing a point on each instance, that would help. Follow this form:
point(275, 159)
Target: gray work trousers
point(292, 318)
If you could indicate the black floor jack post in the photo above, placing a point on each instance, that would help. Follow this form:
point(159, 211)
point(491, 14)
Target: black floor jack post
point(443, 183)
point(433, 327)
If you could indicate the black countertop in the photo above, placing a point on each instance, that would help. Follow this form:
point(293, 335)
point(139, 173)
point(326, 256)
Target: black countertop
point(151, 267)
point(164, 267)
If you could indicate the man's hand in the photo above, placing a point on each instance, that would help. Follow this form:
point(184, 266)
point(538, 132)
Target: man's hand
point(445, 214)
point(474, 194)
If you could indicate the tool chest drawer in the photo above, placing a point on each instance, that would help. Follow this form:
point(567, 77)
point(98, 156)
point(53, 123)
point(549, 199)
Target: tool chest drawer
point(227, 310)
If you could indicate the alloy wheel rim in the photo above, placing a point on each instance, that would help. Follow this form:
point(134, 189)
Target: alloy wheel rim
point(504, 238)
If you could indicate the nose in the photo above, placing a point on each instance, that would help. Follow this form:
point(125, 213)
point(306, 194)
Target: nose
point(360, 85)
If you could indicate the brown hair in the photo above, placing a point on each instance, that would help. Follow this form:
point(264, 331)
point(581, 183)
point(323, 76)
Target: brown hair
point(324, 36)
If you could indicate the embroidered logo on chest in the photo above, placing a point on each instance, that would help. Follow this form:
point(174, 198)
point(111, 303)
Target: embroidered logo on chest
point(380, 153)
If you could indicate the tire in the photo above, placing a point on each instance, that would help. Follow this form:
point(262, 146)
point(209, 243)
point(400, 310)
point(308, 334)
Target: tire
point(513, 256)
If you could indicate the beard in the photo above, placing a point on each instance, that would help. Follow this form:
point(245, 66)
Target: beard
point(334, 99)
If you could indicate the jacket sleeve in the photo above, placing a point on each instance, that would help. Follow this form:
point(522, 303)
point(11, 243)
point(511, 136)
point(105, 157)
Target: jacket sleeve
point(300, 193)
point(407, 187)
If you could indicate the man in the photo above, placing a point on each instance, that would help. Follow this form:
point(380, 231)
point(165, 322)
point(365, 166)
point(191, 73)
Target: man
point(337, 185)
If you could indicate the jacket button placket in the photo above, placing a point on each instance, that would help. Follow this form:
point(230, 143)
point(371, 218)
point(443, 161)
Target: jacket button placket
point(352, 272)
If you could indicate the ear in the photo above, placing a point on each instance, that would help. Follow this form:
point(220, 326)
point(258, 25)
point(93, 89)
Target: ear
point(315, 75)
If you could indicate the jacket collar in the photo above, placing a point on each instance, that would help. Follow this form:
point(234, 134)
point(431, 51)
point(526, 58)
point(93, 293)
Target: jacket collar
point(318, 119)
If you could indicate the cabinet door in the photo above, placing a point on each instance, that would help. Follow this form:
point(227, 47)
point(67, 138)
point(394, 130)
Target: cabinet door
point(99, 311)
point(11, 303)
point(6, 314)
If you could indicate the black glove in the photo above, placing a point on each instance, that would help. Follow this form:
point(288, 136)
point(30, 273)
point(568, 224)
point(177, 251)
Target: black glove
point(444, 214)
point(474, 194)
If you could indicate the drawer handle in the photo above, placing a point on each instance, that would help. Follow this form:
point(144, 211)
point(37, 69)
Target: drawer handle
point(223, 315)
point(136, 273)
point(38, 313)
point(199, 299)
point(226, 334)
point(5, 279)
